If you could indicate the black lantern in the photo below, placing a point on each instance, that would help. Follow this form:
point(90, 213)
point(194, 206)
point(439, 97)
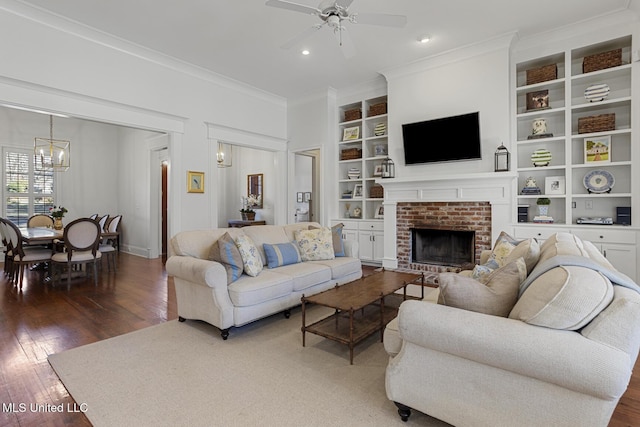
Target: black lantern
point(388, 168)
point(503, 158)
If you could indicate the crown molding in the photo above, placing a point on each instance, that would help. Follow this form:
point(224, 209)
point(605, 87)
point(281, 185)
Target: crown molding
point(93, 35)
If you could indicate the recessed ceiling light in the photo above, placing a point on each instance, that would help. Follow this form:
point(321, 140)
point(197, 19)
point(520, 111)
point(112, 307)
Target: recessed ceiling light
point(424, 39)
point(306, 52)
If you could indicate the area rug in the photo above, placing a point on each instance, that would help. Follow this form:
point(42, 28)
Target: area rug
point(184, 374)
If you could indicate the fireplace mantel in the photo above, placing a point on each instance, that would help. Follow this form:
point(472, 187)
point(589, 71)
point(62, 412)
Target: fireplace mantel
point(493, 187)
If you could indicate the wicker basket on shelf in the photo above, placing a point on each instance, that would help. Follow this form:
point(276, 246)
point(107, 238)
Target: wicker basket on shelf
point(351, 154)
point(599, 123)
point(377, 109)
point(355, 114)
point(542, 74)
point(600, 61)
point(376, 192)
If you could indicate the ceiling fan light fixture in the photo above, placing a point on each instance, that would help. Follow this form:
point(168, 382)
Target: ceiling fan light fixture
point(424, 39)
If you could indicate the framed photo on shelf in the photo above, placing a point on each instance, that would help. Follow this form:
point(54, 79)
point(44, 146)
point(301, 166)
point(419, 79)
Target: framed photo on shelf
point(379, 213)
point(195, 182)
point(597, 149)
point(357, 190)
point(554, 185)
point(538, 100)
point(349, 134)
point(377, 170)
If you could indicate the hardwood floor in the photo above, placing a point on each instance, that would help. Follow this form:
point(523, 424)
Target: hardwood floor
point(42, 320)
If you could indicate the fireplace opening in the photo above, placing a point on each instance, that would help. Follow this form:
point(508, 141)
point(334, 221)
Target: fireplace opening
point(442, 247)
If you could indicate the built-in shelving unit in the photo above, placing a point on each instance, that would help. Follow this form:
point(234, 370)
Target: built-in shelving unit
point(362, 147)
point(566, 106)
point(571, 162)
point(356, 192)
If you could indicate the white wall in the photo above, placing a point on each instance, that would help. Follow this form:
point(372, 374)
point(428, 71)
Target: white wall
point(475, 78)
point(64, 67)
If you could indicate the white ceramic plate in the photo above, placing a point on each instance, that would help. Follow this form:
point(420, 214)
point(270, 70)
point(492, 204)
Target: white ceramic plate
point(599, 181)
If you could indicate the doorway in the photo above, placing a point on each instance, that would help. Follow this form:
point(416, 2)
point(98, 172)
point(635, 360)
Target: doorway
point(308, 197)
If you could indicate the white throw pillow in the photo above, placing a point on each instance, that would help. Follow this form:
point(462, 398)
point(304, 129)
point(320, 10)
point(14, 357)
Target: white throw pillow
point(251, 259)
point(315, 245)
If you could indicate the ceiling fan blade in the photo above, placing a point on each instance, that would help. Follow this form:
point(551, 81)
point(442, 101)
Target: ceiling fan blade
point(344, 3)
point(379, 19)
point(347, 46)
point(297, 39)
point(293, 6)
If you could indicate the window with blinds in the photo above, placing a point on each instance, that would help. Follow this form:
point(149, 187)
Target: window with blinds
point(28, 189)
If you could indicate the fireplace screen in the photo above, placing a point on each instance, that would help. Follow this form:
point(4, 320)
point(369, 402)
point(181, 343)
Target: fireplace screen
point(442, 247)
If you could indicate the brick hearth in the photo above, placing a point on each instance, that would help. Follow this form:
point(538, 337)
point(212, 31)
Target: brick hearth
point(468, 216)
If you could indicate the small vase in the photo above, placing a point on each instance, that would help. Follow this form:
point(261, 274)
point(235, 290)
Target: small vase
point(57, 224)
point(251, 216)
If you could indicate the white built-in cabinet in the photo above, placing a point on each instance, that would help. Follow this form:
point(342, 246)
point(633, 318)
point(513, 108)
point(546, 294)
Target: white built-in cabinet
point(359, 204)
point(569, 164)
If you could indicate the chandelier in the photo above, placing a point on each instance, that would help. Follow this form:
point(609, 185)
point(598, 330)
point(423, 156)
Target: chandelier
point(51, 154)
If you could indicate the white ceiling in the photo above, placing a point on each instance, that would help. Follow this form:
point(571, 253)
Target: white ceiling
point(241, 39)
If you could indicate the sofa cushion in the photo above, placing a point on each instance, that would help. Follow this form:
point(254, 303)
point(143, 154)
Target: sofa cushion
point(616, 325)
point(315, 244)
point(342, 266)
point(251, 259)
point(248, 290)
point(496, 297)
point(565, 297)
point(336, 238)
point(280, 254)
point(225, 251)
point(306, 274)
point(562, 244)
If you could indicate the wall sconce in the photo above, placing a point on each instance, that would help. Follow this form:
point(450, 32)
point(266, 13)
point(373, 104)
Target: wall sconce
point(223, 155)
point(51, 154)
point(503, 159)
point(388, 168)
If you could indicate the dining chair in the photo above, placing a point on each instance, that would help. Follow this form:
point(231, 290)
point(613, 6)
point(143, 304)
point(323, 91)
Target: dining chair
point(23, 256)
point(8, 253)
point(94, 216)
point(81, 239)
point(108, 245)
point(102, 222)
point(40, 220)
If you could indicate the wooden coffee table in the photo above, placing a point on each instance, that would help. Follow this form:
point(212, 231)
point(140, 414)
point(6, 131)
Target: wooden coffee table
point(360, 308)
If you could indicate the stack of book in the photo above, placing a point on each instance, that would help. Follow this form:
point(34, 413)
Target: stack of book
point(526, 191)
point(543, 219)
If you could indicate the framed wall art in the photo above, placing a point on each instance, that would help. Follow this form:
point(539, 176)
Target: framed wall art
point(554, 185)
point(597, 149)
point(349, 134)
point(195, 182)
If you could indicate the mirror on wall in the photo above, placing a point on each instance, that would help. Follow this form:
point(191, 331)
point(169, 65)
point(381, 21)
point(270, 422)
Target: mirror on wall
point(255, 190)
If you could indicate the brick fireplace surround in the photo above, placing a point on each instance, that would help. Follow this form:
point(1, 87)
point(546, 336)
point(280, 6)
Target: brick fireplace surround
point(481, 202)
point(458, 216)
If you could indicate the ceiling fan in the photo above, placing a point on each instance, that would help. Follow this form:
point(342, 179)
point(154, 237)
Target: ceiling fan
point(333, 13)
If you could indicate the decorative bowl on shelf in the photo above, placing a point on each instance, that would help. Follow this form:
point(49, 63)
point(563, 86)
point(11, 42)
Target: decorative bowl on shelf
point(380, 129)
point(541, 157)
point(353, 173)
point(596, 93)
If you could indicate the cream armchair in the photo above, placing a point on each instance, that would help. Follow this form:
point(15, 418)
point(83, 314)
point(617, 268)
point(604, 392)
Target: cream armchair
point(469, 368)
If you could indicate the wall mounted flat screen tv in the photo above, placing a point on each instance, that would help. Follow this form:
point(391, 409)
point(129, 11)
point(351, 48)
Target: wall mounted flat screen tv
point(442, 140)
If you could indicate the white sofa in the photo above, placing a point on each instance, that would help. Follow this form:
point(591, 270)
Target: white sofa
point(201, 284)
point(562, 357)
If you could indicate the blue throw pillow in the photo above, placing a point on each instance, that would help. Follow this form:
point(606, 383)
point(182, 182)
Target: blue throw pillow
point(281, 254)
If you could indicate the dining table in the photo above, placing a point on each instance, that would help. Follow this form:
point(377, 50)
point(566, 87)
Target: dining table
point(40, 235)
